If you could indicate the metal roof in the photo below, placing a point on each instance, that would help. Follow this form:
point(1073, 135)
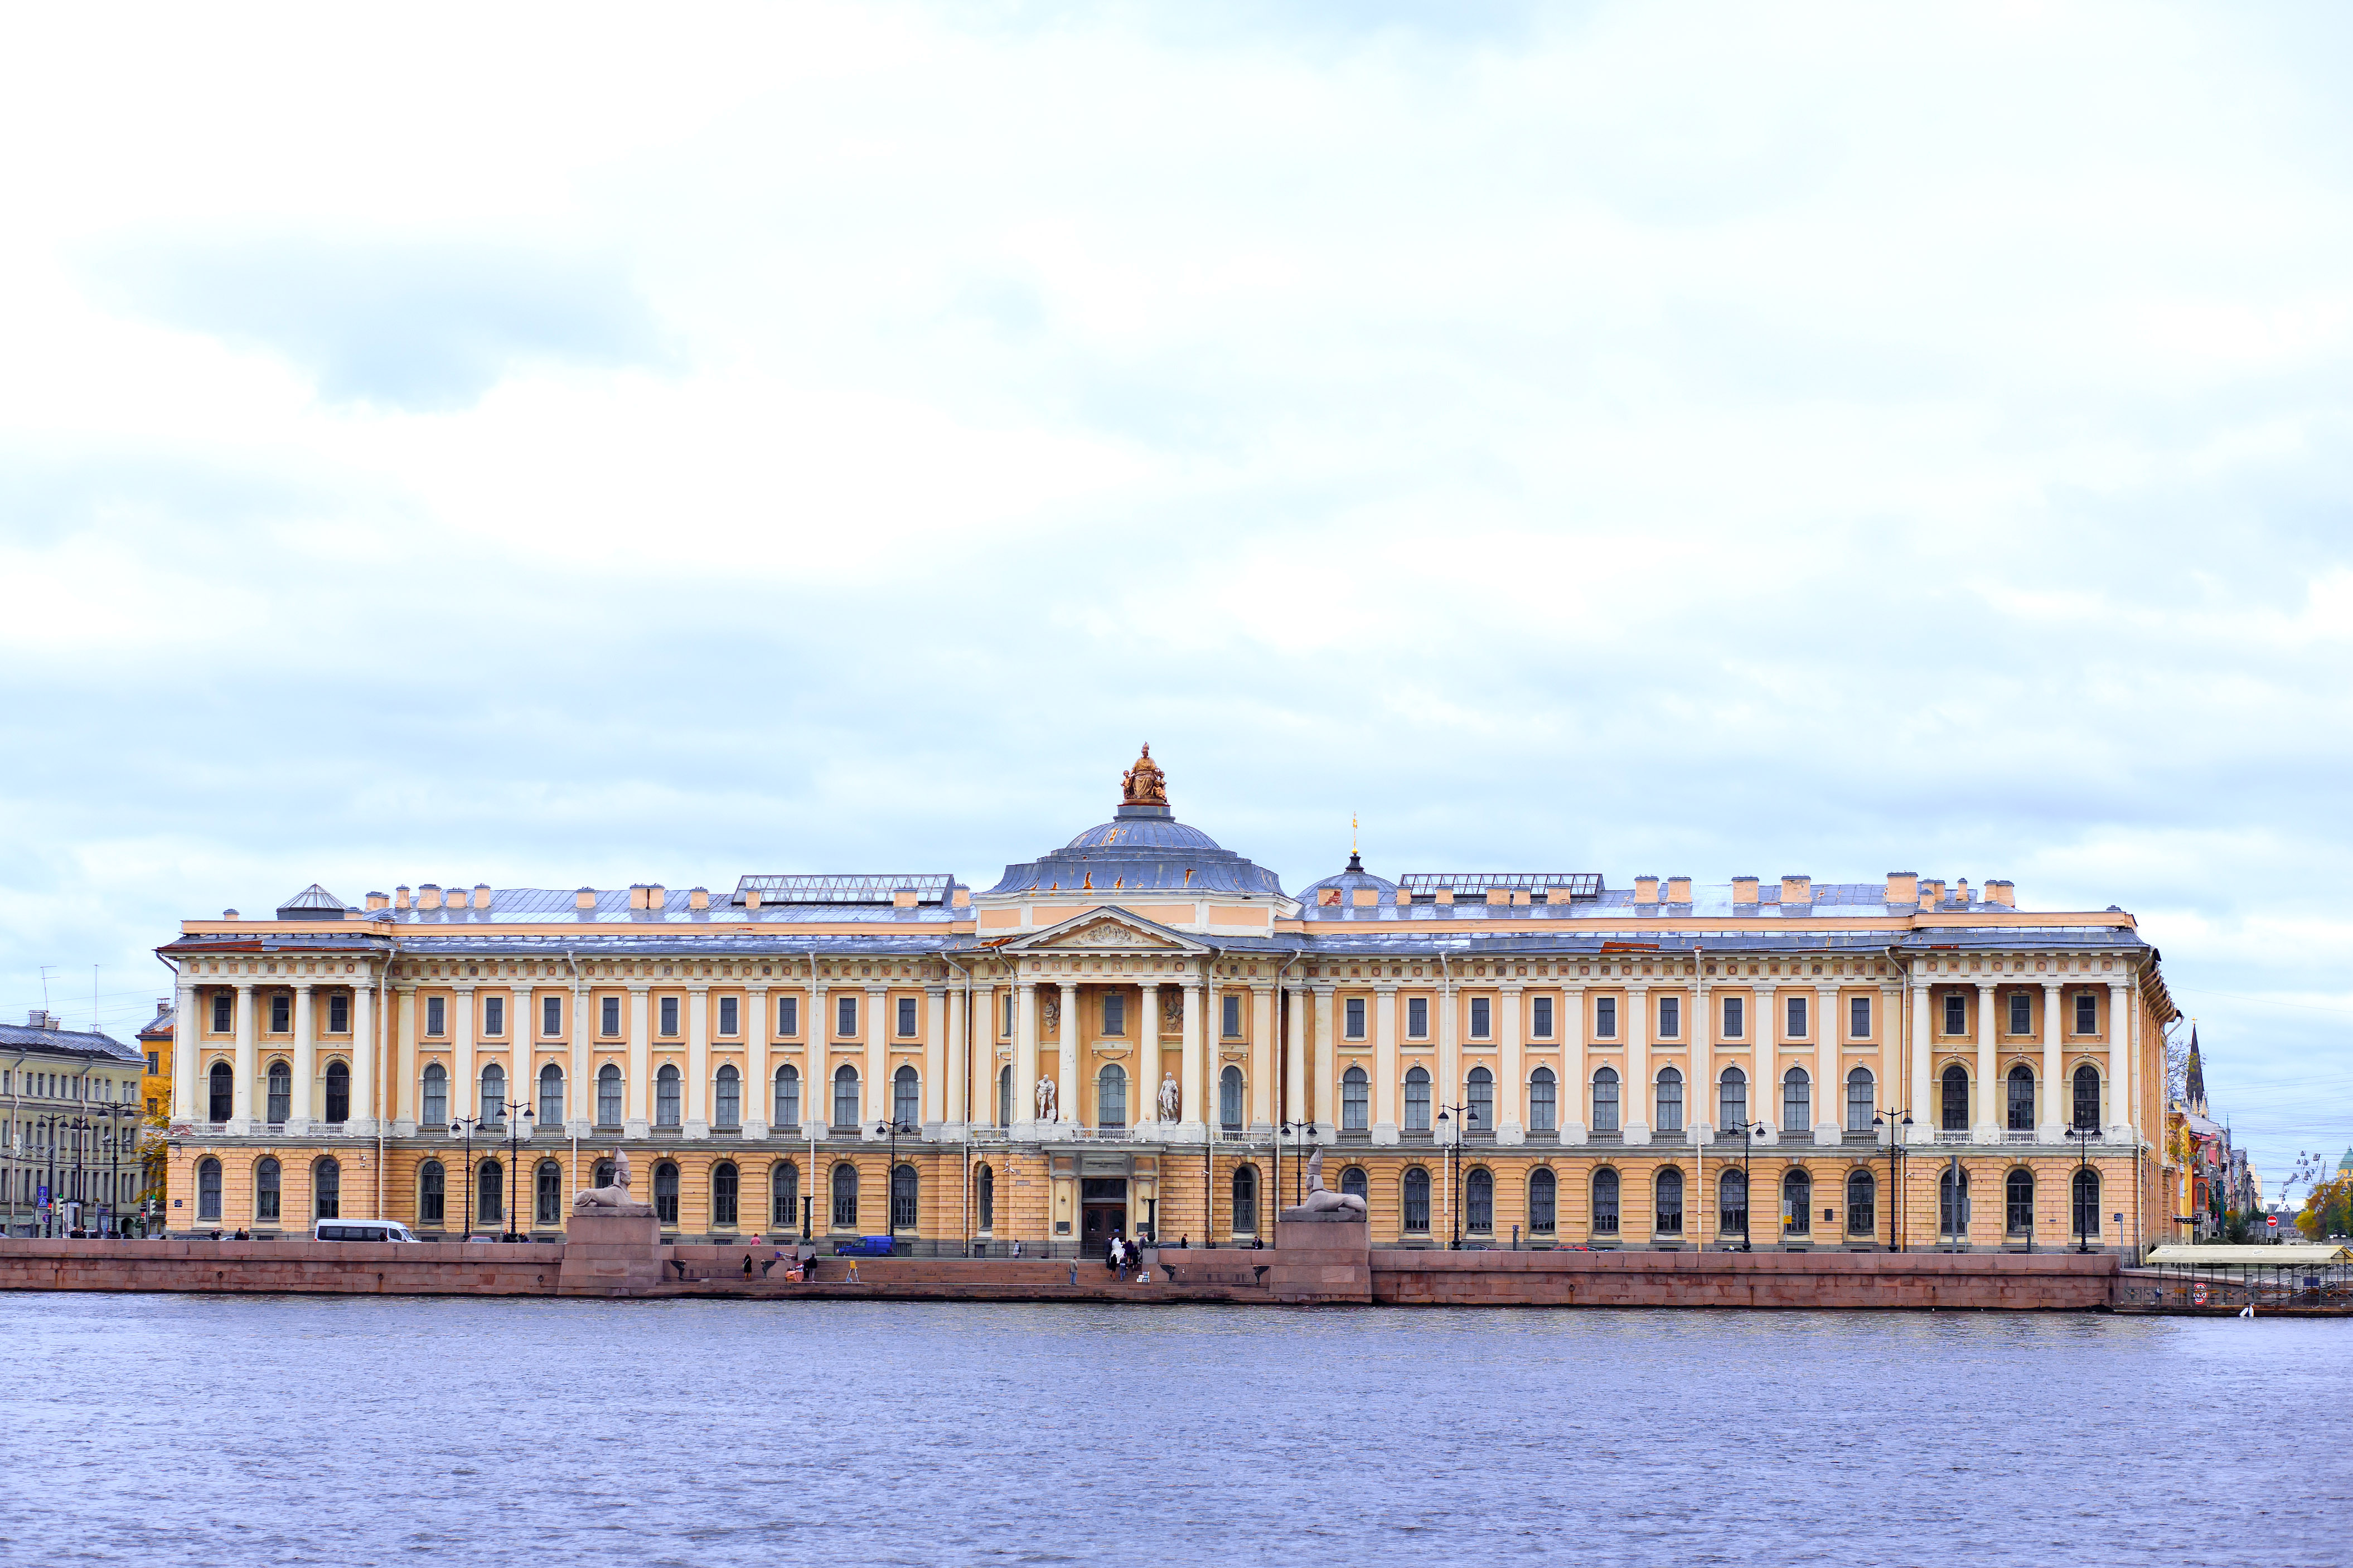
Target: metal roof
point(1580, 884)
point(66, 1042)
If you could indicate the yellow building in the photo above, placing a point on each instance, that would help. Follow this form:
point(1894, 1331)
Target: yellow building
point(1143, 1032)
point(155, 1047)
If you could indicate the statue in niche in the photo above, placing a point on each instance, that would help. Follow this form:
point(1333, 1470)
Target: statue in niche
point(1052, 1008)
point(1046, 1097)
point(614, 1199)
point(1172, 1098)
point(1321, 1199)
point(1143, 785)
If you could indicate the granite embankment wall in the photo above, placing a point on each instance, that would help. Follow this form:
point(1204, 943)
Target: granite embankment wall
point(2006, 1281)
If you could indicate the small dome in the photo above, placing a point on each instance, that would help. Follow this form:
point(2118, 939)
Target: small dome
point(1341, 891)
point(1143, 828)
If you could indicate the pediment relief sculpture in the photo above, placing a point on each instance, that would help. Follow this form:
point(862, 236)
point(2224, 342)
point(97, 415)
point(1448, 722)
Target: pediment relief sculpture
point(1109, 933)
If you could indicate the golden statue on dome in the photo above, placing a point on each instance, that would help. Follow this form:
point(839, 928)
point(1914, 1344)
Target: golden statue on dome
point(1143, 785)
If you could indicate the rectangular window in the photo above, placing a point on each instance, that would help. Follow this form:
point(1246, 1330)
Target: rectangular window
point(1230, 1024)
point(2087, 1012)
point(1957, 1013)
point(151, 1067)
point(1353, 1009)
point(611, 1021)
point(494, 1016)
point(1540, 1022)
point(551, 1016)
point(224, 1012)
point(1736, 1017)
point(1671, 1018)
point(1858, 1018)
point(788, 1015)
point(437, 1016)
point(906, 1017)
point(2021, 1013)
point(282, 1012)
point(1417, 1018)
point(845, 1017)
point(339, 1012)
point(669, 1017)
point(1483, 1023)
point(729, 1019)
point(1005, 1030)
point(1605, 1017)
point(1796, 1018)
point(1114, 1013)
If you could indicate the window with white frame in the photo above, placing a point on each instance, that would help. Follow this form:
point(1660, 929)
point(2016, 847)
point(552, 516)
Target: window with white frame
point(1353, 1018)
point(1795, 1019)
point(1858, 1017)
point(1540, 1018)
point(1735, 1016)
point(1605, 1017)
point(1417, 1018)
point(1482, 1019)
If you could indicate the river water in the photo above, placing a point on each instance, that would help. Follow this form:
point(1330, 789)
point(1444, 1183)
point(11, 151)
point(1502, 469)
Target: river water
point(168, 1429)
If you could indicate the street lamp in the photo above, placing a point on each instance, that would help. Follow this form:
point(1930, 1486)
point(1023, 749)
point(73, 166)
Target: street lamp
point(1749, 1131)
point(1893, 1118)
point(520, 1127)
point(463, 1127)
point(114, 1111)
point(891, 1128)
point(1454, 1171)
point(78, 1127)
point(1299, 1133)
point(2082, 1134)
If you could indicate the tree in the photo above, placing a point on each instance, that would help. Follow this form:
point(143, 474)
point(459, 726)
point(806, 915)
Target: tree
point(2328, 1210)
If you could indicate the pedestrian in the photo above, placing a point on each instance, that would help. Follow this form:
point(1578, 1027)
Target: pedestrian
point(853, 1273)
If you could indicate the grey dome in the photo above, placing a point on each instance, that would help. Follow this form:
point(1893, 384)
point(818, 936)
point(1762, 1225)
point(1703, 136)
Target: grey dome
point(1142, 849)
point(1347, 884)
point(1141, 829)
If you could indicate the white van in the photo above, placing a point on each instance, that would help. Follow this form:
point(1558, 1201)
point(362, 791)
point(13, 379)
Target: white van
point(361, 1230)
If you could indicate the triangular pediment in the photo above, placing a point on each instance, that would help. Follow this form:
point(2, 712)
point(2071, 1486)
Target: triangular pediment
point(1108, 931)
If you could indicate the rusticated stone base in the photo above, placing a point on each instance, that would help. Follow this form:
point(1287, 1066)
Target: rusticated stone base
point(612, 1254)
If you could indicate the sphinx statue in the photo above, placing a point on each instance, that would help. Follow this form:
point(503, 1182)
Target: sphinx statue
point(614, 1199)
point(1321, 1200)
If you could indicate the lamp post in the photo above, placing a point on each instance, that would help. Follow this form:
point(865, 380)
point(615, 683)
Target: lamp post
point(48, 1221)
point(1893, 1118)
point(1299, 1133)
point(891, 1128)
point(80, 1126)
point(1749, 1131)
point(463, 1127)
point(114, 1111)
point(2083, 1135)
point(1454, 1171)
point(520, 1126)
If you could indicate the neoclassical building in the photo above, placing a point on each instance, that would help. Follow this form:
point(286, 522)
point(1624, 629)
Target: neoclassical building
point(1142, 1031)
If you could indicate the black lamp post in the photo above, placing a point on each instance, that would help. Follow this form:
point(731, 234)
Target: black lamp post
point(463, 1127)
point(2083, 1135)
point(1299, 1133)
point(79, 1127)
point(891, 1128)
point(1749, 1131)
point(114, 1111)
point(520, 1126)
point(1454, 1171)
point(1894, 1120)
point(49, 1140)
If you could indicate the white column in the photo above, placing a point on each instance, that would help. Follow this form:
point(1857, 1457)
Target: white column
point(1025, 1058)
point(1573, 1088)
point(1328, 1065)
point(1195, 1077)
point(241, 1110)
point(935, 1056)
point(1147, 1054)
point(363, 1058)
point(306, 1062)
point(1385, 1066)
point(982, 1043)
point(696, 1114)
point(1511, 1092)
point(186, 1022)
point(640, 1121)
point(759, 1088)
point(1924, 1110)
point(1448, 1090)
point(465, 1094)
point(580, 1097)
point(2050, 1125)
point(1066, 1071)
point(1636, 1102)
point(1296, 1105)
point(1987, 1126)
point(1765, 1067)
point(1699, 1112)
point(1829, 1102)
point(956, 1089)
point(817, 1064)
point(878, 1065)
point(1261, 1058)
point(2119, 1065)
point(405, 1068)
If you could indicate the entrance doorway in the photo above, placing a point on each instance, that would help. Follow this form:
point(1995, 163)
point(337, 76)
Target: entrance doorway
point(1102, 1210)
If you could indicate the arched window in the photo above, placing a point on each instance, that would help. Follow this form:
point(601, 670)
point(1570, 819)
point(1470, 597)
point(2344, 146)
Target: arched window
point(281, 1092)
point(489, 1193)
point(1732, 1099)
point(1860, 1099)
point(1796, 1204)
point(1952, 1203)
point(436, 1112)
point(550, 1094)
point(609, 1096)
point(906, 1097)
point(2018, 1202)
point(1544, 1101)
point(1246, 1199)
point(2087, 1202)
point(1355, 1100)
point(666, 1095)
point(725, 1189)
point(789, 1096)
point(603, 1174)
point(1731, 1205)
point(432, 1193)
point(1605, 1099)
point(985, 1181)
point(1796, 1100)
point(845, 1197)
point(339, 1094)
point(266, 1191)
point(727, 1100)
point(1111, 1097)
point(1229, 1099)
point(547, 1193)
point(1416, 1099)
point(1954, 1088)
point(1004, 1096)
point(665, 1192)
point(1670, 1100)
point(220, 1090)
point(902, 1197)
point(208, 1187)
point(1544, 1202)
point(1862, 1203)
point(1353, 1183)
point(785, 1196)
point(2087, 1096)
point(1479, 1200)
point(845, 1096)
point(494, 1094)
point(1417, 1201)
point(2021, 1099)
point(1605, 1202)
point(1482, 1101)
point(1667, 1189)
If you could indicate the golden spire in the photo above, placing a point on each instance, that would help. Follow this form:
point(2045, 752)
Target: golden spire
point(1144, 784)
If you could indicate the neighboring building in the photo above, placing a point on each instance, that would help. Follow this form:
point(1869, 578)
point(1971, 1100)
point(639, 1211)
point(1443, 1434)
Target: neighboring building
point(155, 1045)
point(71, 1099)
point(753, 1050)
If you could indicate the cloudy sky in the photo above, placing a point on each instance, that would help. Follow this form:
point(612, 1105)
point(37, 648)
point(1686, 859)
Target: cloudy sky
point(564, 447)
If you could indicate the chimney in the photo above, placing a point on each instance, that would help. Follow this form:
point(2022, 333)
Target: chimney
point(39, 1018)
point(481, 895)
point(162, 1006)
point(963, 900)
point(697, 897)
point(657, 897)
point(1646, 890)
point(1404, 899)
point(2001, 893)
point(1932, 890)
point(1796, 891)
point(228, 914)
point(400, 897)
point(1961, 888)
point(902, 897)
point(1744, 889)
point(1903, 887)
point(585, 899)
point(1679, 890)
point(1445, 895)
point(428, 897)
point(751, 898)
point(1499, 895)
